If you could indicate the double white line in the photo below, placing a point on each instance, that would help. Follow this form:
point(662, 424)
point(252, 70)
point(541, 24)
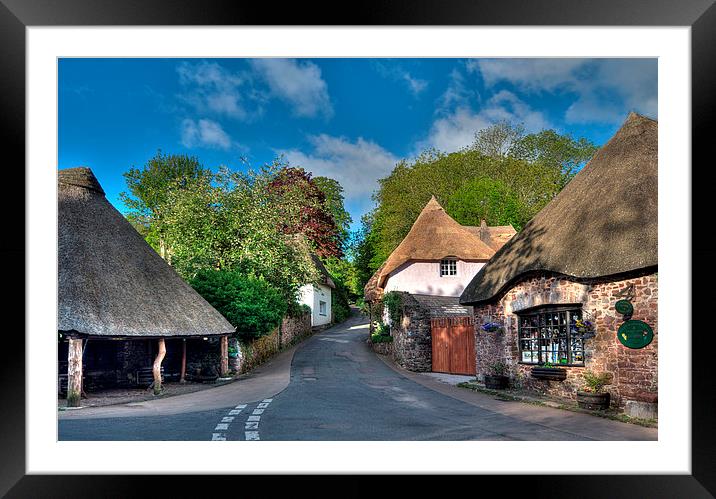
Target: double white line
point(252, 423)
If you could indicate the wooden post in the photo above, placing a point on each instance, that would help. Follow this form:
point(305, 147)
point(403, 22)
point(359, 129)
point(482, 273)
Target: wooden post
point(224, 356)
point(74, 372)
point(182, 377)
point(157, 367)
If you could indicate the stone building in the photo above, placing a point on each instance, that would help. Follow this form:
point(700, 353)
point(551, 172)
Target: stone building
point(589, 255)
point(125, 317)
point(429, 269)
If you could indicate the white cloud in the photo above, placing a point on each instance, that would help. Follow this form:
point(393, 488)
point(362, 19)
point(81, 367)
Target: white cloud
point(211, 87)
point(604, 88)
point(356, 165)
point(298, 83)
point(204, 133)
point(397, 73)
point(456, 129)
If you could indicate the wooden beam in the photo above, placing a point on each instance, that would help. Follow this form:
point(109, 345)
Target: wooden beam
point(224, 356)
point(182, 377)
point(74, 372)
point(157, 367)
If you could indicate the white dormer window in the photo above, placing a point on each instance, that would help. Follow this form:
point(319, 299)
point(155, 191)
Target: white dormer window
point(448, 267)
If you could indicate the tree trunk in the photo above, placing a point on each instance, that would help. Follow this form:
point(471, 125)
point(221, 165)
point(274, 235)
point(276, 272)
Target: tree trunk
point(182, 377)
point(224, 356)
point(157, 367)
point(74, 372)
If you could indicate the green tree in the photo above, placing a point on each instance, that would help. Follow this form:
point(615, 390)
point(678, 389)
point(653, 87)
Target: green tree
point(333, 191)
point(532, 167)
point(485, 199)
point(150, 188)
point(251, 305)
point(233, 222)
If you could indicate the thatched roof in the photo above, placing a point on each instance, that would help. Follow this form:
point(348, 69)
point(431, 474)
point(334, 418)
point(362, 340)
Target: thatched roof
point(111, 282)
point(434, 236)
point(604, 222)
point(325, 275)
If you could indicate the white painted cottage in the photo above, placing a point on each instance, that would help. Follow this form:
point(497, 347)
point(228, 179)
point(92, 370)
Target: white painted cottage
point(318, 296)
point(438, 257)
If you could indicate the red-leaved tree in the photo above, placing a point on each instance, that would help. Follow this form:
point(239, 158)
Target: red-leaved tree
point(306, 211)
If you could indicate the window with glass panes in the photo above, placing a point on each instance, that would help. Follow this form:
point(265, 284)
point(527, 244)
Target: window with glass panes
point(448, 266)
point(548, 334)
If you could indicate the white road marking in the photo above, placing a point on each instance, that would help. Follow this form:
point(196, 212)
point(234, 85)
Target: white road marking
point(251, 425)
point(252, 435)
point(218, 436)
point(262, 405)
point(222, 426)
point(267, 400)
point(234, 412)
point(258, 411)
point(227, 419)
point(241, 406)
point(254, 418)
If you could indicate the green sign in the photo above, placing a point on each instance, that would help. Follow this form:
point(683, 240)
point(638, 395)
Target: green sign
point(624, 307)
point(635, 334)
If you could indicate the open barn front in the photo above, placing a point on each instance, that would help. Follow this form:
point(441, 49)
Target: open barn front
point(128, 363)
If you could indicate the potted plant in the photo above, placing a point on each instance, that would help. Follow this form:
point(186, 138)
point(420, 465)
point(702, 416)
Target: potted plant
point(497, 379)
point(592, 396)
point(549, 371)
point(491, 327)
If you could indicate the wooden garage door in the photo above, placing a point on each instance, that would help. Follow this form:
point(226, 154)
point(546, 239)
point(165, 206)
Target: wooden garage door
point(453, 345)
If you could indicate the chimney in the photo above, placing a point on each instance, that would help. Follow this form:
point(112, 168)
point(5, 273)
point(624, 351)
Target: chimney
point(484, 232)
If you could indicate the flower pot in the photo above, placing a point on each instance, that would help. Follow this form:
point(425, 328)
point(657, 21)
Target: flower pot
point(593, 401)
point(496, 382)
point(549, 373)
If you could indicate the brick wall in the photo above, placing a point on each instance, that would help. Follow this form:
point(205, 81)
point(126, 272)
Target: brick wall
point(412, 340)
point(634, 371)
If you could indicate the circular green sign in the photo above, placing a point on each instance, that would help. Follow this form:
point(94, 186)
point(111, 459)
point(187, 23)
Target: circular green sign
point(635, 334)
point(624, 307)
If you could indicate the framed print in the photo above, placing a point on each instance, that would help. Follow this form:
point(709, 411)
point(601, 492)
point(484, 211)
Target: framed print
point(109, 87)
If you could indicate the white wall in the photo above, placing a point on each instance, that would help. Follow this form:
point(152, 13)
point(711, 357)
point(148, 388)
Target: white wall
point(312, 295)
point(423, 278)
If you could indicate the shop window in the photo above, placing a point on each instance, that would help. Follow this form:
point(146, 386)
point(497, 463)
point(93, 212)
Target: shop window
point(547, 334)
point(448, 267)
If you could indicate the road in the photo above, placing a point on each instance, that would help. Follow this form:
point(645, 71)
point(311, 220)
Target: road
point(333, 387)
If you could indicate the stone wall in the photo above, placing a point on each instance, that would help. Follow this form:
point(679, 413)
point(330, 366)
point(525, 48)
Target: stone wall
point(634, 371)
point(412, 339)
point(383, 348)
point(294, 329)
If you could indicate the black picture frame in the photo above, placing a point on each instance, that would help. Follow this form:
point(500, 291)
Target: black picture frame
point(16, 15)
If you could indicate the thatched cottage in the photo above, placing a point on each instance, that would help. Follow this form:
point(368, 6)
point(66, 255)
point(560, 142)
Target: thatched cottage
point(589, 255)
point(318, 296)
point(123, 313)
point(430, 268)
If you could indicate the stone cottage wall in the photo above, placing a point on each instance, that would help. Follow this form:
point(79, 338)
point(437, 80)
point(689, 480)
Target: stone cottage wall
point(634, 371)
point(412, 340)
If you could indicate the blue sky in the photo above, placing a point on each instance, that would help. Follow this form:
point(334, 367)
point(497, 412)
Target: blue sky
point(349, 119)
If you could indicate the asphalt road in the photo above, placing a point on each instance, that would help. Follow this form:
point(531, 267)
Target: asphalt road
point(333, 387)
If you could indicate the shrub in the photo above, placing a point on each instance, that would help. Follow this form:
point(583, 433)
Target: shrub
point(251, 305)
point(393, 300)
point(595, 382)
point(296, 309)
point(339, 302)
point(498, 368)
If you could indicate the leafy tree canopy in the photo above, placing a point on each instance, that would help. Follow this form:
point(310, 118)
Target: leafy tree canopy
point(485, 199)
point(251, 305)
point(532, 168)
